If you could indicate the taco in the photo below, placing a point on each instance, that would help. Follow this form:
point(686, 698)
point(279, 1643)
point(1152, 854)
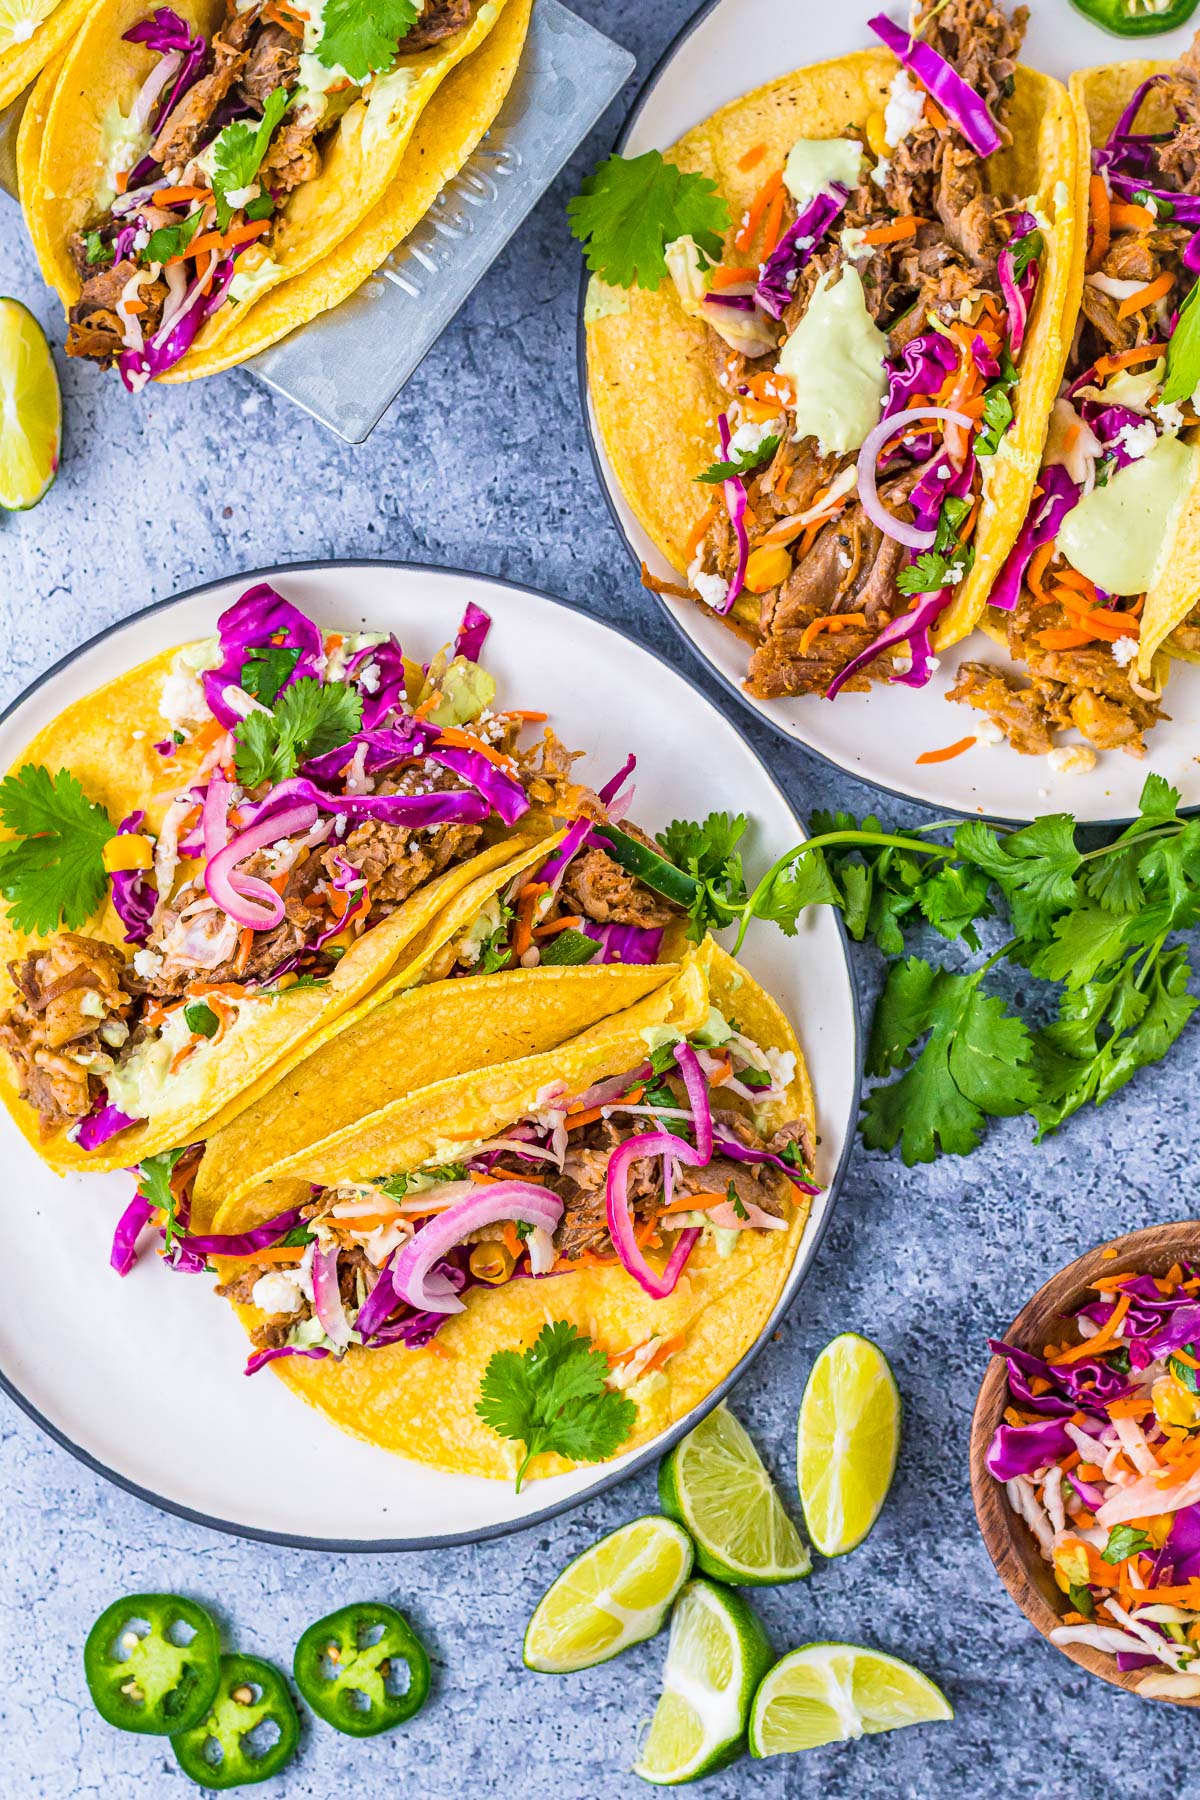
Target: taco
point(250, 838)
point(1105, 573)
point(192, 161)
point(831, 417)
point(646, 1184)
point(32, 34)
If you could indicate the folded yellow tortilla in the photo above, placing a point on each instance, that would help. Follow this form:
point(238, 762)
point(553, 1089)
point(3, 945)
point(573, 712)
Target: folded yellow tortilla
point(652, 390)
point(421, 1403)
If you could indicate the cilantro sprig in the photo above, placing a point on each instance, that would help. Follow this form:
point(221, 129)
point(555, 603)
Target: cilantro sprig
point(51, 869)
point(363, 36)
point(307, 719)
point(631, 208)
point(238, 151)
point(743, 462)
point(948, 558)
point(553, 1397)
point(154, 1184)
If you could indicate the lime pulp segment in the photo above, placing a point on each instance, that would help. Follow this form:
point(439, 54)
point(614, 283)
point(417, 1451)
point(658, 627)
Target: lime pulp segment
point(616, 1593)
point(828, 1693)
point(715, 1485)
point(847, 1441)
point(30, 409)
point(717, 1654)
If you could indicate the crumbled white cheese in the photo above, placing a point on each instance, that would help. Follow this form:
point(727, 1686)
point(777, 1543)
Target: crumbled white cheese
point(1072, 759)
point(147, 963)
point(1124, 651)
point(1138, 439)
point(904, 110)
point(1169, 415)
point(712, 589)
point(276, 1292)
point(988, 732)
point(879, 173)
point(751, 437)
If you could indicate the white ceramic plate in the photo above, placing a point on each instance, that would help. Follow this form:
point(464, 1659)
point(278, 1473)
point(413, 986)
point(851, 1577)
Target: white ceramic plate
point(142, 1378)
point(731, 47)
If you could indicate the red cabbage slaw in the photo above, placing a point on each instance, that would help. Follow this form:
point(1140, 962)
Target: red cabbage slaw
point(776, 284)
point(1098, 1456)
point(133, 896)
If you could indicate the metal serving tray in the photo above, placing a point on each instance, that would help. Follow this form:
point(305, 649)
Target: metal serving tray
point(347, 366)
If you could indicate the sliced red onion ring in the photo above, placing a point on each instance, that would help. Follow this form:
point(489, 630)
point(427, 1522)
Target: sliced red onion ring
point(868, 457)
point(251, 902)
point(412, 1276)
point(327, 1297)
point(620, 1219)
point(214, 820)
point(697, 1093)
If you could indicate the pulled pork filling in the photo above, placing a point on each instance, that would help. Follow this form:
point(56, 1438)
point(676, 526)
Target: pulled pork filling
point(371, 1226)
point(922, 231)
point(1074, 638)
point(158, 257)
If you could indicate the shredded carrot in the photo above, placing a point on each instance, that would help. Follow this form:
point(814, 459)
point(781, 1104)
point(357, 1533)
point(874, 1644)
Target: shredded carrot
point(759, 411)
point(427, 705)
point(754, 155)
point(1063, 639)
point(1189, 1362)
point(758, 206)
point(134, 306)
point(1108, 1254)
point(278, 1253)
point(245, 945)
point(1101, 1339)
point(1089, 1471)
point(700, 529)
point(1039, 1385)
point(1100, 218)
point(223, 240)
point(950, 751)
point(828, 622)
point(772, 386)
point(527, 900)
point(572, 922)
point(695, 1202)
point(1130, 1409)
point(1154, 290)
point(486, 1178)
point(1124, 215)
point(181, 1056)
point(657, 586)
point(587, 1117)
point(530, 718)
point(1068, 1462)
point(207, 734)
point(275, 15)
point(723, 278)
point(903, 227)
point(121, 180)
point(936, 118)
point(466, 740)
point(1121, 359)
point(1113, 1281)
point(512, 1242)
point(774, 222)
point(175, 196)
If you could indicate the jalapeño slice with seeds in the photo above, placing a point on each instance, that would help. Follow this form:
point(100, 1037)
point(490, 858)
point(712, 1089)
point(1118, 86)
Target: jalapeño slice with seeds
point(152, 1663)
point(249, 1732)
point(363, 1669)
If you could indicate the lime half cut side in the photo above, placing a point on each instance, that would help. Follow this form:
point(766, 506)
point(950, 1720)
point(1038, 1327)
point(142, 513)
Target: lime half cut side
point(715, 1484)
point(19, 19)
point(847, 1441)
point(717, 1655)
point(30, 409)
point(615, 1594)
point(826, 1693)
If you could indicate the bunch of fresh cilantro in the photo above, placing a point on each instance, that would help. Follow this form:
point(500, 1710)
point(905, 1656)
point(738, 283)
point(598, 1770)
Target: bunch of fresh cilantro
point(1098, 925)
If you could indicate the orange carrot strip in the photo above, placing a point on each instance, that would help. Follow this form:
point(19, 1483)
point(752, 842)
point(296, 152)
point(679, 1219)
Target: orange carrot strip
point(723, 278)
point(1035, 571)
point(828, 622)
point(774, 223)
point(699, 530)
point(1100, 220)
point(466, 740)
point(1064, 639)
point(245, 945)
point(1146, 296)
point(758, 206)
point(936, 118)
point(754, 155)
point(173, 196)
point(1124, 215)
point(903, 227)
point(950, 750)
point(1121, 359)
point(224, 240)
point(1101, 1340)
point(572, 922)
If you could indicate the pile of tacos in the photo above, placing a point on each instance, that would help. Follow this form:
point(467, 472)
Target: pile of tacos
point(198, 180)
point(923, 361)
point(398, 1025)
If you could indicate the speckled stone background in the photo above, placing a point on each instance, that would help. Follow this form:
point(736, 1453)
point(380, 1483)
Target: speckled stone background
point(483, 462)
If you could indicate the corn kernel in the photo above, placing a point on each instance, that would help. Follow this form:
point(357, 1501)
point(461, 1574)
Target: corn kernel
point(1174, 1404)
point(876, 136)
point(491, 1262)
point(129, 851)
point(767, 566)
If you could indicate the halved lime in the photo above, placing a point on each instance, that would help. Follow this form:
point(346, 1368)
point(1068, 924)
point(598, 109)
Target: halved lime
point(826, 1693)
point(19, 19)
point(717, 1655)
point(30, 409)
point(615, 1594)
point(714, 1483)
point(847, 1440)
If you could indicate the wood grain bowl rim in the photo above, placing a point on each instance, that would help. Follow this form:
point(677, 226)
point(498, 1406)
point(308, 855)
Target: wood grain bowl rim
point(1008, 1540)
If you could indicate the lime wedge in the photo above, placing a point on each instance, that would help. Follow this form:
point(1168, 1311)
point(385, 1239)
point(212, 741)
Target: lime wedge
point(716, 1656)
point(714, 1483)
point(826, 1693)
point(19, 19)
point(847, 1440)
point(615, 1594)
point(30, 409)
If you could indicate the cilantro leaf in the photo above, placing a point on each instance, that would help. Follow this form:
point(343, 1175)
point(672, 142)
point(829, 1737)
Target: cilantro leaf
point(1081, 1601)
point(96, 250)
point(1123, 1541)
point(708, 852)
point(363, 36)
point(154, 1185)
point(947, 560)
point(308, 719)
point(974, 1062)
point(1183, 353)
point(239, 149)
point(172, 240)
point(1035, 868)
point(51, 870)
point(997, 417)
point(805, 881)
point(200, 1018)
point(553, 1397)
point(1183, 1372)
point(630, 209)
point(266, 669)
point(744, 462)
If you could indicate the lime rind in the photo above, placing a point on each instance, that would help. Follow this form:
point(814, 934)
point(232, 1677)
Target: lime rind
point(614, 1594)
point(717, 1656)
point(847, 1442)
point(826, 1693)
point(30, 409)
point(714, 1483)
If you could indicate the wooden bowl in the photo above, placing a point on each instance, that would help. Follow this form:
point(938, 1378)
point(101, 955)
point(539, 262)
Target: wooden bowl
point(1010, 1543)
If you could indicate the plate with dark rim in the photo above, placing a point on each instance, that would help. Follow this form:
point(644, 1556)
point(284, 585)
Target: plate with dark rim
point(729, 48)
point(141, 1378)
